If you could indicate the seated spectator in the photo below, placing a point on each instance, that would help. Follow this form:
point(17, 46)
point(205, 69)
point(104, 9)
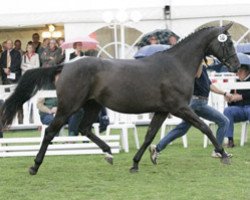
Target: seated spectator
point(18, 46)
point(36, 42)
point(30, 59)
point(52, 55)
point(78, 51)
point(103, 119)
point(238, 109)
point(47, 109)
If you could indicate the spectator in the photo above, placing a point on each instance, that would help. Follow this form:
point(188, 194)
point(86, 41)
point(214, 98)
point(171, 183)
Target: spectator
point(153, 40)
point(60, 41)
point(4, 45)
point(44, 45)
point(172, 40)
point(103, 119)
point(1, 50)
point(238, 109)
point(78, 51)
point(47, 109)
point(1, 127)
point(52, 55)
point(199, 105)
point(10, 64)
point(36, 42)
point(18, 47)
point(30, 59)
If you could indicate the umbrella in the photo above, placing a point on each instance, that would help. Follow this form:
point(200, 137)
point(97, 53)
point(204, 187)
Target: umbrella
point(161, 35)
point(244, 59)
point(150, 50)
point(243, 48)
point(87, 43)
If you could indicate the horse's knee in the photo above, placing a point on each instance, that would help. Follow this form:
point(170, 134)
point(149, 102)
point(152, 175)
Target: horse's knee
point(85, 132)
point(48, 137)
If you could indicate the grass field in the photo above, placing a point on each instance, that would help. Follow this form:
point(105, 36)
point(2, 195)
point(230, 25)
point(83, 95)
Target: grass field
point(182, 174)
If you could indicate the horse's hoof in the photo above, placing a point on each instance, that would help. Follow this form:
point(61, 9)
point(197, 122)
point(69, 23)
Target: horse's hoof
point(134, 170)
point(109, 158)
point(226, 160)
point(32, 171)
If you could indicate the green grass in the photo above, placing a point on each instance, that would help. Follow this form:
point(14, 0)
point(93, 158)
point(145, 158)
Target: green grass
point(182, 174)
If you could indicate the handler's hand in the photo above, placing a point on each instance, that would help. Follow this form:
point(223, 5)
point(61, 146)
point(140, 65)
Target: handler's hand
point(236, 97)
point(53, 110)
point(228, 97)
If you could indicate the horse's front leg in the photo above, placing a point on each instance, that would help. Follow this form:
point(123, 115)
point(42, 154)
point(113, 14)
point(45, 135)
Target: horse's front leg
point(189, 116)
point(50, 133)
point(154, 126)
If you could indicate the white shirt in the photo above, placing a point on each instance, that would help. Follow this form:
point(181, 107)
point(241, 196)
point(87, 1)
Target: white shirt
point(30, 62)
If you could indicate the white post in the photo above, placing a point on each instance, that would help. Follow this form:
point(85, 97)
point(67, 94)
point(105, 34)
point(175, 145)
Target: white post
point(122, 30)
point(115, 40)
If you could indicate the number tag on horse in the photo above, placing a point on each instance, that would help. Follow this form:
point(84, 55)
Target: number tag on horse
point(222, 38)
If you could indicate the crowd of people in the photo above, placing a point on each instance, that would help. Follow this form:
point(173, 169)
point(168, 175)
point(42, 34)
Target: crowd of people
point(14, 62)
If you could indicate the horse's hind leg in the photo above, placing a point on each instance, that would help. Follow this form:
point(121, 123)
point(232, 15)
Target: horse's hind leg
point(91, 111)
point(154, 126)
point(50, 132)
point(188, 115)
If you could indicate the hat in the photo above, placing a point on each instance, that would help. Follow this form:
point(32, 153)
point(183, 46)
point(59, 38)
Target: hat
point(245, 67)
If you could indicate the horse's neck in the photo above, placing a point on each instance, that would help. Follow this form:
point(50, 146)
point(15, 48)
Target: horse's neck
point(192, 51)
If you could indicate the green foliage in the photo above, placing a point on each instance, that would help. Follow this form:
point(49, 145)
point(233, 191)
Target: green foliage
point(182, 174)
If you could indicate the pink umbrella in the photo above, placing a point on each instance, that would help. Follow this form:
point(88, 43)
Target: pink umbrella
point(87, 43)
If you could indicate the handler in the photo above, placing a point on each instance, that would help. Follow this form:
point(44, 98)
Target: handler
point(199, 104)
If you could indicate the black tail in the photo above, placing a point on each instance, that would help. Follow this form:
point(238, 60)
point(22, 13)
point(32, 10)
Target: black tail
point(28, 85)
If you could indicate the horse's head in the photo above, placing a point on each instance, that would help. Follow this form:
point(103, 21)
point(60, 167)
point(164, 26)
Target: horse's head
point(223, 48)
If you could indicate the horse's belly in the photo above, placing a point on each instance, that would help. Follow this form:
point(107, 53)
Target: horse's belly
point(132, 104)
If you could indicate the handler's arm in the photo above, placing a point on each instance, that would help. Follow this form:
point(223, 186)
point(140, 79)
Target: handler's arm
point(216, 90)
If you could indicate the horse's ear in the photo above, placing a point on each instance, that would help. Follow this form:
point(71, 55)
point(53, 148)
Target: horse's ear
point(227, 27)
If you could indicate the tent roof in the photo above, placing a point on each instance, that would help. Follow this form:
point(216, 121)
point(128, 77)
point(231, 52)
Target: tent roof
point(28, 13)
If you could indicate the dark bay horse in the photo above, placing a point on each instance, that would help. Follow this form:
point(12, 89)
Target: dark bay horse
point(162, 83)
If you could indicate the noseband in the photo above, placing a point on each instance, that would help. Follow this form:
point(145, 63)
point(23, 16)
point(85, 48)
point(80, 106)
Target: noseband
point(224, 57)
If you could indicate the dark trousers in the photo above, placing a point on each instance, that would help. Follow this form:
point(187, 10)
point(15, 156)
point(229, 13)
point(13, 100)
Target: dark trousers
point(1, 127)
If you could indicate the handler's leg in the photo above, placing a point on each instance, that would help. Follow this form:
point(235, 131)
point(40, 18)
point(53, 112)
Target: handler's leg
point(154, 126)
point(177, 132)
point(188, 115)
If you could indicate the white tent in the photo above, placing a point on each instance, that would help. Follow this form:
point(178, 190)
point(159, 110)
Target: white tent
point(82, 17)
